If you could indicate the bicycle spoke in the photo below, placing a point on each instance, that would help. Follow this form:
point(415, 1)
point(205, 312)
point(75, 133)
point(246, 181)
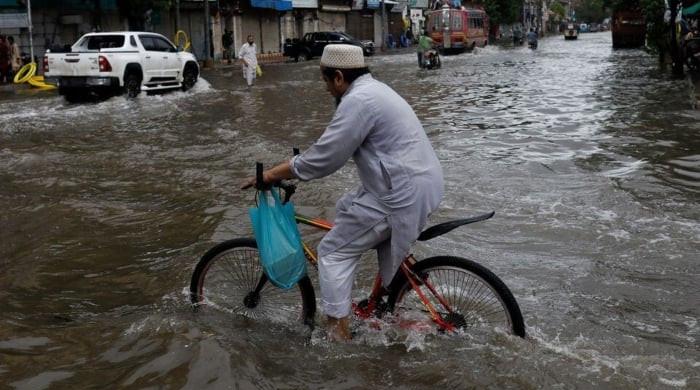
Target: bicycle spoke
point(234, 274)
point(467, 295)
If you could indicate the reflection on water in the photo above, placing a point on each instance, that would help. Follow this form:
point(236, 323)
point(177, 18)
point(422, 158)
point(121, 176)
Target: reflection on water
point(589, 157)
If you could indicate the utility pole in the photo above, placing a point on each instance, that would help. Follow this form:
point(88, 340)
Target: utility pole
point(31, 39)
point(207, 29)
point(385, 25)
point(677, 66)
point(177, 16)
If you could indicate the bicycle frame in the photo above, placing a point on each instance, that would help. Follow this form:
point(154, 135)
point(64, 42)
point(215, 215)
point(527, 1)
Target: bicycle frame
point(377, 290)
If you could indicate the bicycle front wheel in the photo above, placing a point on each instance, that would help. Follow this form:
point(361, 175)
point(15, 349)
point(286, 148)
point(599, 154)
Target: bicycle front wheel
point(474, 296)
point(229, 277)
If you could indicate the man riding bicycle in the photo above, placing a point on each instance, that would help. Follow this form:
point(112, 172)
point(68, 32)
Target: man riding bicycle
point(401, 179)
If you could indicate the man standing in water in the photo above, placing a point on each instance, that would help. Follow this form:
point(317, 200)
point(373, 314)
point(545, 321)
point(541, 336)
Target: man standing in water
point(249, 60)
point(400, 175)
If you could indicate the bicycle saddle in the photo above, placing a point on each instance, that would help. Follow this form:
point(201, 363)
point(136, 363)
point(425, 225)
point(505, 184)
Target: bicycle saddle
point(445, 227)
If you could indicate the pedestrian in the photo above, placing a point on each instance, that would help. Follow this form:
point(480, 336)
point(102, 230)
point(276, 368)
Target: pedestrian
point(401, 180)
point(247, 54)
point(227, 43)
point(425, 43)
point(5, 66)
point(15, 55)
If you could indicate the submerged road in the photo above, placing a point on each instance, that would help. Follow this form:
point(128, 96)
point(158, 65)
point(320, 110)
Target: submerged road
point(590, 158)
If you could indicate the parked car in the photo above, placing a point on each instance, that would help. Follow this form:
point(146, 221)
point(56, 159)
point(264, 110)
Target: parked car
point(313, 43)
point(115, 62)
point(593, 27)
point(583, 28)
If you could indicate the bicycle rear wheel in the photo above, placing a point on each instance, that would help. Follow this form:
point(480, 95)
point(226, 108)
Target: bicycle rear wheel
point(476, 296)
point(229, 277)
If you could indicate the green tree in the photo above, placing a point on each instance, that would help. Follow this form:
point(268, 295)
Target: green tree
point(503, 11)
point(591, 11)
point(558, 9)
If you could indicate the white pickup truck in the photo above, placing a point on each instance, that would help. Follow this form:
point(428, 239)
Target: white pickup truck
point(115, 62)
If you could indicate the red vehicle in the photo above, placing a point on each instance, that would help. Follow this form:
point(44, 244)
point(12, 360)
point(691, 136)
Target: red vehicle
point(453, 29)
point(628, 29)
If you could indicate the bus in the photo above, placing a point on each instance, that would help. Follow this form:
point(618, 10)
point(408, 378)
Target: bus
point(456, 30)
point(628, 28)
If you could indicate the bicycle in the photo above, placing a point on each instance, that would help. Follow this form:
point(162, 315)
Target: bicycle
point(454, 293)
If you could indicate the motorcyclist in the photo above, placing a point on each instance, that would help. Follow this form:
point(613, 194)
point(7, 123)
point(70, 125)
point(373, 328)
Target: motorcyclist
point(532, 38)
point(425, 43)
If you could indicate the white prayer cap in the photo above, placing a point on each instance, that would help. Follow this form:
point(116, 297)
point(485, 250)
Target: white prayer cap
point(343, 57)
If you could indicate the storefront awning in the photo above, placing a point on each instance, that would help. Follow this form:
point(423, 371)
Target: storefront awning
point(693, 9)
point(279, 5)
point(13, 21)
point(305, 3)
point(335, 8)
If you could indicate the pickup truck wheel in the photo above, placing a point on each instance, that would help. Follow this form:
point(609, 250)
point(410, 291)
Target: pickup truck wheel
point(70, 94)
point(303, 56)
point(132, 85)
point(189, 78)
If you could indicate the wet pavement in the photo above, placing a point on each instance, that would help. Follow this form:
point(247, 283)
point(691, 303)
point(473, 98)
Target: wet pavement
point(590, 158)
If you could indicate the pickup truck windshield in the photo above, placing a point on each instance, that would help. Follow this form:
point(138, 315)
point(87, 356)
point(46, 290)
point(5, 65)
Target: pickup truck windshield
point(97, 42)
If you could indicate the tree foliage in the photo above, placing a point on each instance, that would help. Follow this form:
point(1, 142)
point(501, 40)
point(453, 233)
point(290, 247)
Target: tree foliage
point(503, 11)
point(558, 9)
point(592, 11)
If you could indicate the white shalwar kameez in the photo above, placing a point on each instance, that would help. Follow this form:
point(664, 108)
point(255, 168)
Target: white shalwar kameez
point(247, 53)
point(401, 184)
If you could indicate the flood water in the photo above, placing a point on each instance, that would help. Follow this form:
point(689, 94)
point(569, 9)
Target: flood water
point(590, 158)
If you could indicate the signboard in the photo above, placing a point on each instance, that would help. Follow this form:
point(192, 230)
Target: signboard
point(14, 21)
point(373, 4)
point(398, 8)
point(305, 3)
point(418, 4)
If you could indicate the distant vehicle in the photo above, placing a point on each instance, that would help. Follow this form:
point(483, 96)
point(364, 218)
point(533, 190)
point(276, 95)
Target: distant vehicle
point(453, 29)
point(313, 43)
point(628, 29)
point(583, 28)
point(115, 62)
point(593, 27)
point(570, 32)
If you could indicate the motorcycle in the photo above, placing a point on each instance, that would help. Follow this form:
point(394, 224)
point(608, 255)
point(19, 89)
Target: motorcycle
point(431, 59)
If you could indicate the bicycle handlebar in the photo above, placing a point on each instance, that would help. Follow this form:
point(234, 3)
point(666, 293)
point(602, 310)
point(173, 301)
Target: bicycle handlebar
point(287, 186)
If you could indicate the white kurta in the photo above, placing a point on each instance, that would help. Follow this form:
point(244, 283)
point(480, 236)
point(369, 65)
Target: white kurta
point(401, 178)
point(248, 53)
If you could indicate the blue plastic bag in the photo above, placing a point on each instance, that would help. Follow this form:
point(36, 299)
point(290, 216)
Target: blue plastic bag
point(279, 243)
